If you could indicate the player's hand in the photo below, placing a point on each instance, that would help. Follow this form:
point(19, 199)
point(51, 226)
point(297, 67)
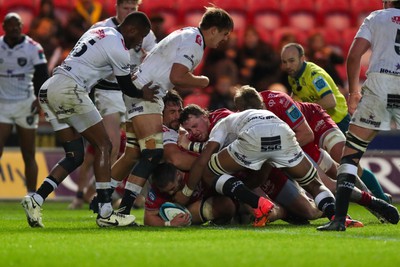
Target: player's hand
point(183, 140)
point(353, 101)
point(149, 93)
point(182, 219)
point(180, 198)
point(35, 107)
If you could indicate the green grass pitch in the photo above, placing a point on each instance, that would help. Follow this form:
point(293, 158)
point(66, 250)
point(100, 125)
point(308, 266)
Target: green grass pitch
point(72, 238)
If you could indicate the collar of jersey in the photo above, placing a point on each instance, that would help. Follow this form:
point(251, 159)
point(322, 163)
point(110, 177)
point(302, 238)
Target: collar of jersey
point(301, 71)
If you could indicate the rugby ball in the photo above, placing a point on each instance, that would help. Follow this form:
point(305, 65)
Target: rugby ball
point(169, 210)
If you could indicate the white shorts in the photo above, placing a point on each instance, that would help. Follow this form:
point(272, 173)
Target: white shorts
point(254, 146)
point(138, 106)
point(109, 102)
point(19, 113)
point(380, 103)
point(66, 104)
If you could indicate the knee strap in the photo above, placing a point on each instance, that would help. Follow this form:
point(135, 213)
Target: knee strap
point(74, 155)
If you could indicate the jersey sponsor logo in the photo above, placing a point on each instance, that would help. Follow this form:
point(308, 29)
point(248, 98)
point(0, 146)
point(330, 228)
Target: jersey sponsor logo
point(389, 71)
point(396, 19)
point(371, 121)
point(241, 158)
point(199, 40)
point(393, 101)
point(22, 61)
point(30, 119)
point(296, 157)
point(136, 109)
point(319, 83)
point(293, 113)
point(272, 143)
point(271, 103)
point(151, 195)
point(41, 54)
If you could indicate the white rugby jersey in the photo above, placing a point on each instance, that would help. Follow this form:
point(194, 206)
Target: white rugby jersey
point(382, 29)
point(136, 54)
point(98, 54)
point(170, 136)
point(184, 46)
point(228, 129)
point(17, 68)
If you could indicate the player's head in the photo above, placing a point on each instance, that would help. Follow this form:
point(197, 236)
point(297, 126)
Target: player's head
point(125, 7)
point(173, 105)
point(134, 28)
point(12, 26)
point(391, 3)
point(292, 58)
point(216, 25)
point(247, 97)
point(195, 121)
point(167, 178)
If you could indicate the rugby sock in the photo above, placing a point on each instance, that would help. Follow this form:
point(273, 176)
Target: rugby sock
point(233, 187)
point(345, 186)
point(372, 183)
point(49, 185)
point(325, 202)
point(131, 192)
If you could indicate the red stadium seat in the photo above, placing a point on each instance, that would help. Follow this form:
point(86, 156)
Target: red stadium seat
point(168, 9)
point(300, 14)
point(238, 10)
point(360, 9)
point(191, 11)
point(347, 38)
point(334, 13)
point(27, 9)
point(332, 36)
point(266, 16)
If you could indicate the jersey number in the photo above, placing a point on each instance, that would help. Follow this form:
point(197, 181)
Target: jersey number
point(397, 47)
point(81, 48)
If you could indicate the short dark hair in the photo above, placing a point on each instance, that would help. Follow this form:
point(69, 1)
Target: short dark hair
point(216, 17)
point(164, 174)
point(191, 109)
point(247, 97)
point(137, 18)
point(173, 97)
point(120, 2)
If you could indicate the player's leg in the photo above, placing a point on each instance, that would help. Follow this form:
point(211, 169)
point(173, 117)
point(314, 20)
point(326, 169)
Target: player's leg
point(27, 138)
point(218, 209)
point(221, 164)
point(148, 130)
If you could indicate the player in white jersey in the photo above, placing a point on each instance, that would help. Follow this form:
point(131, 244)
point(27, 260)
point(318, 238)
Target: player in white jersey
point(67, 106)
point(107, 95)
point(375, 105)
point(23, 69)
point(170, 64)
point(247, 140)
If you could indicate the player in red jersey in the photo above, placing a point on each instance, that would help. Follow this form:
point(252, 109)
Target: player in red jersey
point(203, 205)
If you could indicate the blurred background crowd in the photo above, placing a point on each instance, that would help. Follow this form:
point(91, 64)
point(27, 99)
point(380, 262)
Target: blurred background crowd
point(325, 28)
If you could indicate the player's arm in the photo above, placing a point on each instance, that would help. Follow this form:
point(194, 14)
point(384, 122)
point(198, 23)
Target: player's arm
point(328, 101)
point(180, 159)
point(353, 66)
point(39, 76)
point(304, 134)
point(181, 77)
point(152, 218)
point(128, 88)
point(196, 173)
